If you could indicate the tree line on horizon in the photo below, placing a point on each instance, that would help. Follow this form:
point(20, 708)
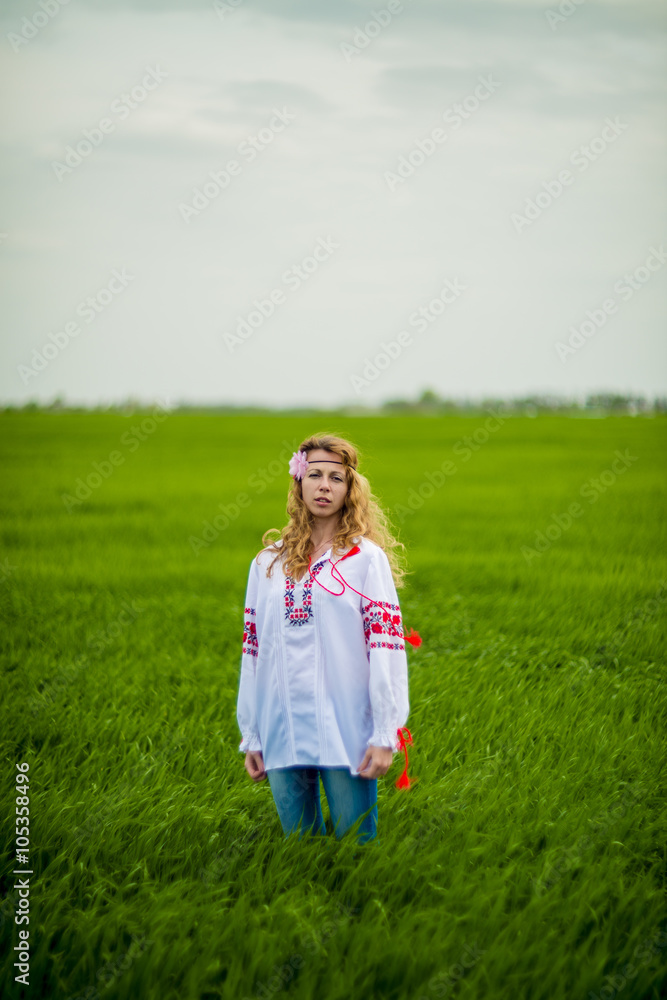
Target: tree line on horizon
point(428, 401)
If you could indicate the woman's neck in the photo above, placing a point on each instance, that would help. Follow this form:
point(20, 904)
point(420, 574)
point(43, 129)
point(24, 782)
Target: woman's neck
point(321, 535)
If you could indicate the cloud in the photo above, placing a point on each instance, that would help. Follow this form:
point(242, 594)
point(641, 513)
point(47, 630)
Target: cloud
point(260, 95)
point(326, 174)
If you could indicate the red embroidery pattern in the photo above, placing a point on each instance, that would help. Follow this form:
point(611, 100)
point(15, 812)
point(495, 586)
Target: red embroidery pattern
point(379, 625)
point(302, 614)
point(250, 643)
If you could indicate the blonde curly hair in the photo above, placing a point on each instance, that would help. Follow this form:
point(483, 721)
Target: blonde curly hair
point(361, 517)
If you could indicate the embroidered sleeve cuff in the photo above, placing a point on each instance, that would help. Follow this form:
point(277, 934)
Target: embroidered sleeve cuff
point(383, 738)
point(250, 741)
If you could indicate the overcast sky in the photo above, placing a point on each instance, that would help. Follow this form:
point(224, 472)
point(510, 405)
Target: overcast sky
point(466, 197)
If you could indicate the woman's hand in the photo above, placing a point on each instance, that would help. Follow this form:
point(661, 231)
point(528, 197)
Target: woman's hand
point(254, 765)
point(376, 762)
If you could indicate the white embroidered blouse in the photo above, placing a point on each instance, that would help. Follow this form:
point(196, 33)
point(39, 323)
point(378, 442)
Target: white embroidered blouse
point(322, 676)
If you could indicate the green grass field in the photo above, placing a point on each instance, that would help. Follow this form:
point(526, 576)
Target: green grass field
point(528, 859)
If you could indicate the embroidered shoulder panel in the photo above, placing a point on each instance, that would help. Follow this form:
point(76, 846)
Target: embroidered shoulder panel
point(383, 627)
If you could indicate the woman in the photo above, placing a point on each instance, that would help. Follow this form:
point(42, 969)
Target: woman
point(323, 689)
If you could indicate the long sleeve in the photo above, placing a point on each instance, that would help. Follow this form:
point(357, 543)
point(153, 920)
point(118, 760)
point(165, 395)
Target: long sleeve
point(246, 710)
point(383, 630)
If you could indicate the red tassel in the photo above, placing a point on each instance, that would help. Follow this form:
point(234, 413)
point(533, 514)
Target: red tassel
point(403, 780)
point(414, 638)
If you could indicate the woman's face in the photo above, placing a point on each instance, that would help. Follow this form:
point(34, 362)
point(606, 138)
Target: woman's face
point(324, 485)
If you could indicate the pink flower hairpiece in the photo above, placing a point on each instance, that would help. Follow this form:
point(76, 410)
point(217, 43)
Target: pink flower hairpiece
point(298, 464)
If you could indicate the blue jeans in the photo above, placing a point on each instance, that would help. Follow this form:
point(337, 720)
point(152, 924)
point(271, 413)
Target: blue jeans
point(296, 792)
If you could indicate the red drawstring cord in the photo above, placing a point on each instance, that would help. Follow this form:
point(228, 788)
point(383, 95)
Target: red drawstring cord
point(414, 639)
